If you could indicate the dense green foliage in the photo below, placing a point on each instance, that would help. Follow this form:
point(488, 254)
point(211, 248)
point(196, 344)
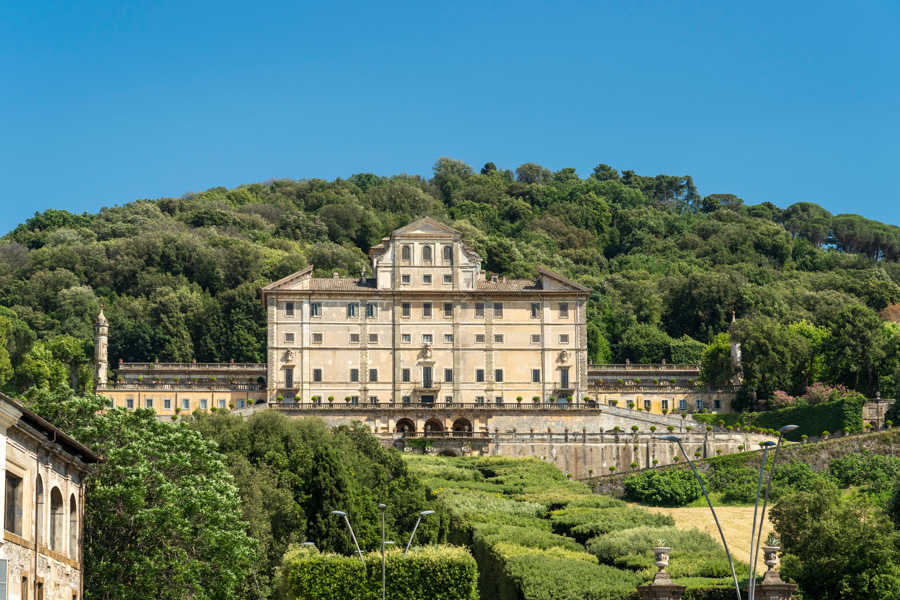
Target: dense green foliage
point(841, 414)
point(670, 487)
point(431, 573)
point(526, 525)
point(180, 276)
point(292, 473)
point(837, 546)
point(163, 517)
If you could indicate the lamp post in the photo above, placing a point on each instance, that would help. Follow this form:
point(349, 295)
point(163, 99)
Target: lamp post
point(341, 513)
point(762, 467)
point(672, 438)
point(424, 513)
point(751, 589)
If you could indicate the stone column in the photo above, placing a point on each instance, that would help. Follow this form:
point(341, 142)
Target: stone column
point(661, 588)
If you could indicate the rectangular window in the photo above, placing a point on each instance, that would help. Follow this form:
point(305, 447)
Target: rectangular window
point(315, 309)
point(682, 404)
point(167, 403)
point(317, 338)
point(354, 400)
point(373, 374)
point(353, 310)
point(426, 310)
point(354, 338)
point(373, 338)
point(564, 338)
point(535, 376)
point(354, 375)
point(479, 375)
point(405, 253)
point(240, 404)
point(404, 279)
point(448, 309)
point(448, 254)
point(426, 279)
point(405, 338)
point(647, 405)
point(448, 375)
point(289, 309)
point(699, 404)
point(404, 375)
point(564, 310)
point(498, 310)
point(404, 310)
point(221, 402)
point(185, 404)
point(129, 404)
point(14, 503)
point(498, 400)
point(664, 404)
point(289, 338)
point(371, 310)
point(535, 338)
point(479, 309)
point(448, 279)
point(717, 404)
point(479, 338)
point(317, 374)
point(479, 399)
point(373, 399)
point(498, 338)
point(427, 338)
point(535, 310)
point(148, 402)
point(203, 404)
point(498, 375)
point(448, 399)
point(448, 338)
point(405, 399)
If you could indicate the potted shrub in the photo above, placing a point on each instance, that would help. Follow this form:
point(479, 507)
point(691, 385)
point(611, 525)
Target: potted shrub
point(665, 411)
point(653, 429)
point(212, 378)
point(634, 465)
point(697, 454)
point(519, 400)
point(590, 472)
point(614, 402)
point(348, 399)
point(638, 408)
point(330, 400)
point(655, 462)
point(637, 381)
point(617, 429)
point(280, 398)
point(825, 434)
point(569, 400)
point(620, 381)
point(630, 404)
point(689, 427)
point(868, 427)
point(804, 437)
point(718, 451)
point(612, 468)
point(552, 400)
point(634, 428)
point(741, 448)
point(536, 399)
point(672, 380)
point(140, 378)
point(730, 428)
point(888, 423)
point(231, 405)
point(676, 458)
point(655, 381)
point(670, 428)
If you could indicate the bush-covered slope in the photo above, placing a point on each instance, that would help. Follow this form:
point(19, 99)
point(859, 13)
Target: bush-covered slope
point(180, 276)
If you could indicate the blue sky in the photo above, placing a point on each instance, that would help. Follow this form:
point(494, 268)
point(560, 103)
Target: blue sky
point(104, 103)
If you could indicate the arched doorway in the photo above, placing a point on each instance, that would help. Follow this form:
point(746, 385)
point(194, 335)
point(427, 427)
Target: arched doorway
point(405, 426)
point(433, 426)
point(462, 427)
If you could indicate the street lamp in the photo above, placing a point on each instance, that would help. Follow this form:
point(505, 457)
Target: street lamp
point(762, 467)
point(341, 513)
point(751, 586)
point(672, 438)
point(424, 513)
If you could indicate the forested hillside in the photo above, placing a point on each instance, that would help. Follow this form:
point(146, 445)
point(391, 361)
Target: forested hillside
point(180, 276)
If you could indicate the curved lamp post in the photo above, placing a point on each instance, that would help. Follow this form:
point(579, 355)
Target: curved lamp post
point(424, 513)
point(754, 551)
point(762, 467)
point(341, 513)
point(672, 438)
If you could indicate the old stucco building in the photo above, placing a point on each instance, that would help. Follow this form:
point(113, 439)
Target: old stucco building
point(43, 500)
point(427, 328)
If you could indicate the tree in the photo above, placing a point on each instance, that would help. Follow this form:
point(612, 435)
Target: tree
point(716, 366)
point(164, 519)
point(853, 348)
point(838, 547)
point(533, 173)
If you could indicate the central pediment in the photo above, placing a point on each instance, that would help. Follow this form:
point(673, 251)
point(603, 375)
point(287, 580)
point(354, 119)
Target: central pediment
point(426, 227)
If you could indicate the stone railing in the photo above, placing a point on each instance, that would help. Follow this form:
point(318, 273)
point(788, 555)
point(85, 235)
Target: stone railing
point(161, 366)
point(187, 386)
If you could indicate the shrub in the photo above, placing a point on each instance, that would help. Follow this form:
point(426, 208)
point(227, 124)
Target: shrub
point(878, 473)
point(585, 523)
point(441, 572)
point(635, 428)
point(663, 488)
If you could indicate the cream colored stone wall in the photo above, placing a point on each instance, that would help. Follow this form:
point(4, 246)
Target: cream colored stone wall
point(186, 400)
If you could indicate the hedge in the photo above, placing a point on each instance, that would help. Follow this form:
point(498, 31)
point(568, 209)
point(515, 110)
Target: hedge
point(426, 573)
point(671, 487)
point(585, 523)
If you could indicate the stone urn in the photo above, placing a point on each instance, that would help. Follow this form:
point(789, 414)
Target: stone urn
point(662, 587)
point(772, 587)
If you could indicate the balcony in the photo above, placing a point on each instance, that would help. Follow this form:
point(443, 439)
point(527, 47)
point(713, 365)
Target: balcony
point(427, 387)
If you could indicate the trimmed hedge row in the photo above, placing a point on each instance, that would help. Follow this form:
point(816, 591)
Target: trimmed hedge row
point(426, 573)
point(672, 487)
point(585, 523)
